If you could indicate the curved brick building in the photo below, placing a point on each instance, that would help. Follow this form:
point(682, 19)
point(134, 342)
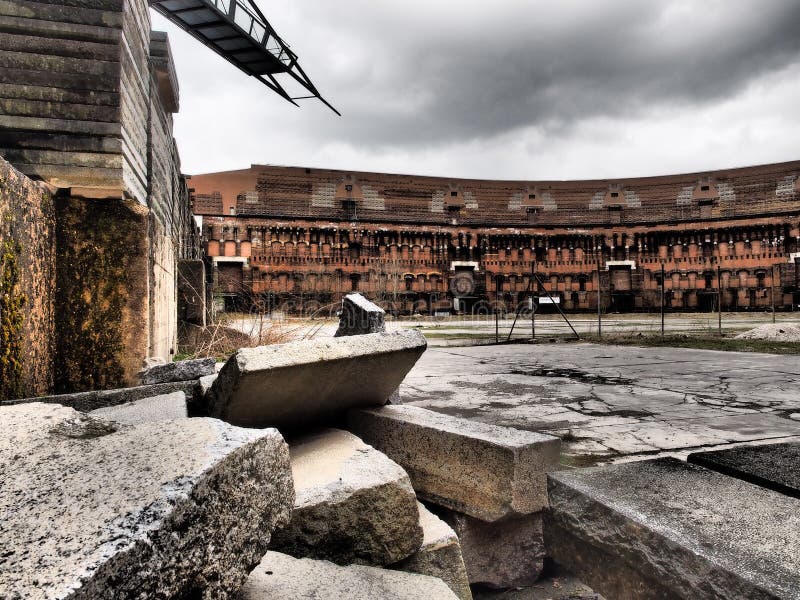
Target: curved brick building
point(417, 243)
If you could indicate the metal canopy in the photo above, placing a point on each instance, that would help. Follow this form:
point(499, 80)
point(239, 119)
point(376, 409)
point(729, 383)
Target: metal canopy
point(239, 32)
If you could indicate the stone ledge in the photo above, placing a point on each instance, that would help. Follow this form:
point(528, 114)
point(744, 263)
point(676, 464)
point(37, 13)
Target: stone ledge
point(667, 529)
point(486, 471)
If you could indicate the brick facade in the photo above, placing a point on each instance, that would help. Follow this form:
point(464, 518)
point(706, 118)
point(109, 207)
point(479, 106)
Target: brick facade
point(287, 234)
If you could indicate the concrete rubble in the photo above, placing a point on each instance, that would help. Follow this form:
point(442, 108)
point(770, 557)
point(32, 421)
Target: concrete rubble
point(488, 482)
point(439, 556)
point(282, 576)
point(94, 509)
point(500, 554)
point(299, 383)
point(668, 529)
point(360, 316)
point(181, 370)
point(482, 470)
point(353, 504)
point(157, 408)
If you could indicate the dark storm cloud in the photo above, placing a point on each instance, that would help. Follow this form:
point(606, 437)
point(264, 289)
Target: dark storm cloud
point(509, 88)
point(410, 74)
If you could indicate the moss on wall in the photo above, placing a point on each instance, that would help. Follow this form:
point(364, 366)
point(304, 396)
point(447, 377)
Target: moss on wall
point(27, 284)
point(12, 303)
point(102, 295)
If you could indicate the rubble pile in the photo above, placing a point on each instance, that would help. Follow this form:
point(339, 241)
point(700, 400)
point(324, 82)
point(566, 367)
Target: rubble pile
point(286, 474)
point(773, 332)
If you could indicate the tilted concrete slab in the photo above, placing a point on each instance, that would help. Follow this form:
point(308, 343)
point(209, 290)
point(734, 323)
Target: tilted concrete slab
point(773, 466)
point(360, 316)
point(93, 509)
point(667, 529)
point(501, 554)
point(482, 470)
point(353, 504)
point(282, 576)
point(440, 555)
point(312, 381)
point(157, 408)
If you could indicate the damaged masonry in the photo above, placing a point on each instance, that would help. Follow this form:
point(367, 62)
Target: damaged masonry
point(362, 460)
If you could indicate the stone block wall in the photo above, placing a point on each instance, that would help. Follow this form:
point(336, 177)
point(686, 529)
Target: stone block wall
point(87, 93)
point(27, 285)
point(60, 90)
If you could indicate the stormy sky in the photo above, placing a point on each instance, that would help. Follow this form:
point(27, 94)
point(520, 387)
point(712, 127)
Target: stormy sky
point(507, 89)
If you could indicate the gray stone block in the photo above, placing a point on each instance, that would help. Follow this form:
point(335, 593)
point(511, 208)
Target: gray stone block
point(500, 554)
point(182, 370)
point(312, 381)
point(157, 408)
point(281, 576)
point(93, 509)
point(440, 555)
point(667, 529)
point(88, 401)
point(353, 504)
point(773, 466)
point(360, 316)
point(485, 471)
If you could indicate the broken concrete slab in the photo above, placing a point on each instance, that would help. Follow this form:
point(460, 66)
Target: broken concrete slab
point(353, 504)
point(483, 470)
point(181, 370)
point(157, 408)
point(501, 554)
point(773, 466)
point(282, 576)
point(88, 401)
point(667, 529)
point(439, 556)
point(312, 381)
point(360, 316)
point(94, 509)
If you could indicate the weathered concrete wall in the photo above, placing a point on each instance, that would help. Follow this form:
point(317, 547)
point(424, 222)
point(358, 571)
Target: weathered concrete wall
point(102, 294)
point(27, 285)
point(87, 93)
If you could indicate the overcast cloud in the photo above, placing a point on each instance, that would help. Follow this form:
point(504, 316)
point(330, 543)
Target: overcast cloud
point(507, 89)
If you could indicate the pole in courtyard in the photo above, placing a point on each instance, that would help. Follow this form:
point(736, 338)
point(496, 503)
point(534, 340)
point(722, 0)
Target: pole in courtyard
point(662, 299)
point(772, 294)
point(599, 302)
point(497, 309)
point(533, 301)
point(719, 300)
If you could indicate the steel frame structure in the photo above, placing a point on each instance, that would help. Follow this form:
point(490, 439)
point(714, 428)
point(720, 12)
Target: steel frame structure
point(238, 31)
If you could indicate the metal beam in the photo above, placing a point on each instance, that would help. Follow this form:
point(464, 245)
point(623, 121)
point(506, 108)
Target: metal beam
point(241, 21)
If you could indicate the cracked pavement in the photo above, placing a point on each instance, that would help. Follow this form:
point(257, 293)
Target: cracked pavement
point(615, 403)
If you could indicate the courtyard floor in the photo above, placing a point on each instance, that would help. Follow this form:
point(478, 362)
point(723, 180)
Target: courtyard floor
point(615, 403)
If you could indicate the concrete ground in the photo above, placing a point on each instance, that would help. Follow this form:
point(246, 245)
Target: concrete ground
point(615, 403)
point(449, 331)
